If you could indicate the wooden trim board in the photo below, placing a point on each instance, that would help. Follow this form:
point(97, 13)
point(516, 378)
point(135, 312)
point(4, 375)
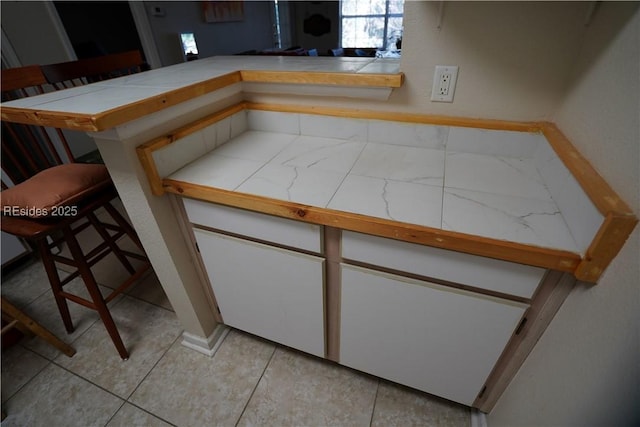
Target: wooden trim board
point(145, 151)
point(126, 113)
point(492, 248)
point(615, 229)
point(552, 292)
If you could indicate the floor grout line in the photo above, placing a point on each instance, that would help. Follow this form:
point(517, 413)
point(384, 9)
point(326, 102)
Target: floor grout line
point(375, 400)
point(275, 348)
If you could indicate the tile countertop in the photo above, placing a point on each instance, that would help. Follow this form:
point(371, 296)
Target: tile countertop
point(102, 105)
point(479, 182)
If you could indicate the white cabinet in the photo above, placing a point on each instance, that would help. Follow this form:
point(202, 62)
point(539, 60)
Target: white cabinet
point(438, 339)
point(267, 291)
point(470, 270)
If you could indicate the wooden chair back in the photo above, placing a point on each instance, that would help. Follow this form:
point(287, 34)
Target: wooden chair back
point(28, 149)
point(64, 75)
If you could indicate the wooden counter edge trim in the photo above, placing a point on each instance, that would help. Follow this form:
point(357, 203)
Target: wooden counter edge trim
point(119, 115)
point(323, 78)
point(123, 114)
point(145, 151)
point(476, 245)
point(608, 241)
point(619, 219)
point(59, 119)
point(400, 117)
point(601, 194)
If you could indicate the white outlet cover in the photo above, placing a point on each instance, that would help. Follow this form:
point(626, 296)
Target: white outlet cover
point(440, 71)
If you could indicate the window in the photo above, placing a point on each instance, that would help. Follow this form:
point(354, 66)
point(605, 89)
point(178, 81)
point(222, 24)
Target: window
point(370, 23)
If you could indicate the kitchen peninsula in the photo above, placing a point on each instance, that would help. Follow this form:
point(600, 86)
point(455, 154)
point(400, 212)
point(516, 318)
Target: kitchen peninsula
point(381, 217)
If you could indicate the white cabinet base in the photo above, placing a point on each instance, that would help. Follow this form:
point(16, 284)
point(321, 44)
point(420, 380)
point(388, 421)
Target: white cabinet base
point(270, 292)
point(437, 339)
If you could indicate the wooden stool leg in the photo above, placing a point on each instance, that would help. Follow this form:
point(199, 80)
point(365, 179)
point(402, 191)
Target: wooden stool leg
point(36, 328)
point(94, 291)
point(123, 224)
point(54, 281)
point(112, 244)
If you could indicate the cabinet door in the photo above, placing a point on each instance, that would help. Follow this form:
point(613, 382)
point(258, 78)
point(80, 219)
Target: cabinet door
point(441, 340)
point(270, 292)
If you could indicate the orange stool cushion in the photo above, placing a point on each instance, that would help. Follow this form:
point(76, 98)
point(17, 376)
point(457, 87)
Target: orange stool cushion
point(57, 186)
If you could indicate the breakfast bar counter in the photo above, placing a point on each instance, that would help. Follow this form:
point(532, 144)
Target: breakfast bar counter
point(366, 232)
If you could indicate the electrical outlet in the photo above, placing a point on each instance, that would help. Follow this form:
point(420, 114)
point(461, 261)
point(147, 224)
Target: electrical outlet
point(444, 83)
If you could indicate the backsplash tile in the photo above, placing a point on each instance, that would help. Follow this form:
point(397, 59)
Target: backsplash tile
point(239, 123)
point(417, 135)
point(223, 131)
point(184, 150)
point(494, 142)
point(273, 121)
point(333, 127)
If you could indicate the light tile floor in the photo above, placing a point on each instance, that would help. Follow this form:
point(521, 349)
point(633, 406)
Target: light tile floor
point(248, 381)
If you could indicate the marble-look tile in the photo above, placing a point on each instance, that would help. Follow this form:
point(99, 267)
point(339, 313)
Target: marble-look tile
point(130, 416)
point(274, 121)
point(239, 123)
point(309, 186)
point(210, 137)
point(583, 218)
point(382, 65)
point(223, 131)
point(409, 164)
point(218, 171)
point(19, 366)
point(301, 390)
point(45, 311)
point(413, 134)
point(515, 219)
point(333, 127)
point(401, 406)
point(191, 389)
point(255, 145)
point(498, 175)
point(45, 401)
point(172, 157)
point(97, 101)
point(326, 154)
point(401, 201)
point(147, 332)
point(490, 142)
point(27, 283)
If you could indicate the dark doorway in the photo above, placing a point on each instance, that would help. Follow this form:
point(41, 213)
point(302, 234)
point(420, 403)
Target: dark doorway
point(97, 28)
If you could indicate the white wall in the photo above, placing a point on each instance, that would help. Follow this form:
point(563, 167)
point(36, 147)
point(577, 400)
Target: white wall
point(32, 33)
point(585, 370)
point(31, 29)
point(226, 38)
point(515, 58)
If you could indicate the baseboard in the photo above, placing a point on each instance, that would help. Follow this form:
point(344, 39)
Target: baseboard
point(478, 418)
point(208, 345)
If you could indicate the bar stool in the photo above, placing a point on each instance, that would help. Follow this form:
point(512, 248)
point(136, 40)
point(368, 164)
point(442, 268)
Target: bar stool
point(51, 201)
